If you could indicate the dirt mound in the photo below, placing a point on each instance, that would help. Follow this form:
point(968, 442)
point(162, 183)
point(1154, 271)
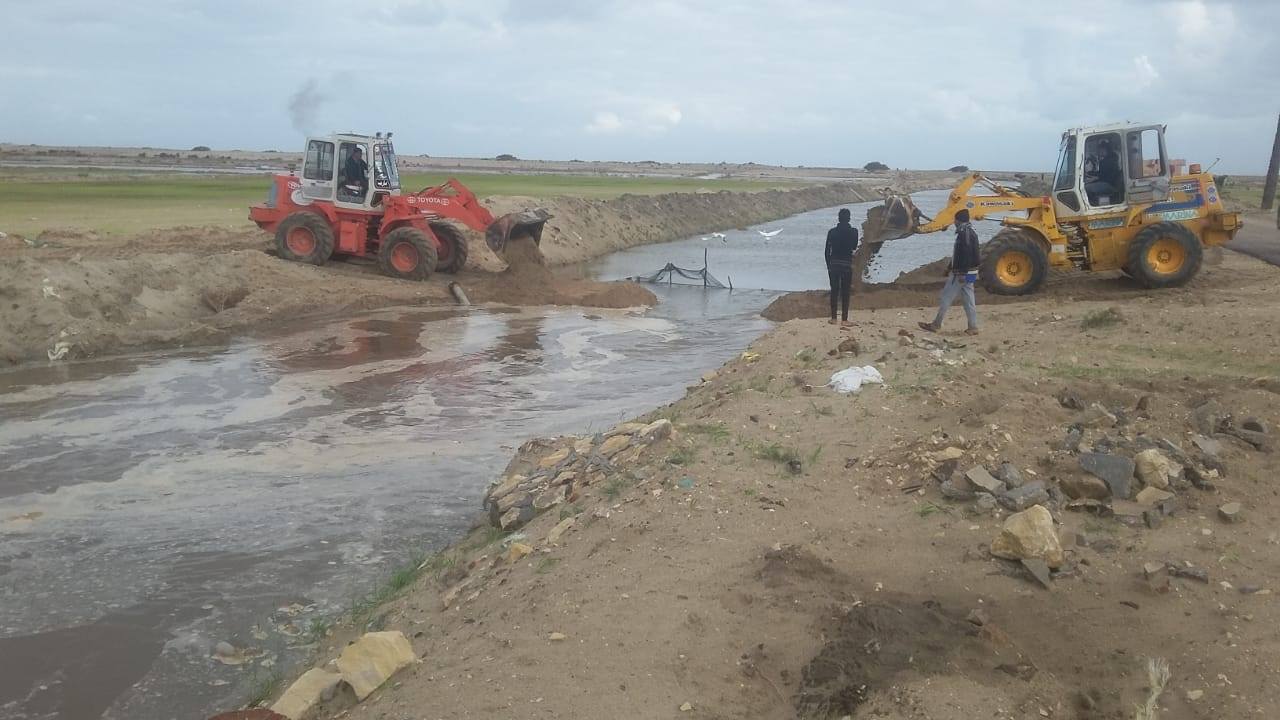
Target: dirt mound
point(876, 646)
point(528, 280)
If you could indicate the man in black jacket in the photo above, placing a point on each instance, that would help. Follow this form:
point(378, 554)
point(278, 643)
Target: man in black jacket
point(961, 276)
point(842, 240)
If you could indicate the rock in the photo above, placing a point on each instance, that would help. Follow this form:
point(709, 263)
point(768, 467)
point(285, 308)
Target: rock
point(656, 430)
point(1146, 406)
point(1207, 445)
point(630, 428)
point(564, 477)
point(795, 466)
point(553, 535)
point(1205, 418)
point(1070, 399)
point(1039, 570)
point(1008, 474)
point(554, 458)
point(982, 480)
point(1201, 479)
point(849, 345)
point(1231, 512)
point(986, 503)
point(951, 453)
point(1153, 569)
point(1194, 695)
point(1152, 496)
point(557, 637)
point(506, 487)
point(370, 661)
point(1021, 498)
point(905, 341)
point(1097, 416)
point(978, 617)
point(514, 500)
point(1154, 469)
point(951, 492)
point(307, 693)
point(583, 446)
point(1191, 573)
point(1115, 470)
point(1072, 442)
point(515, 518)
point(517, 552)
point(1029, 535)
point(1253, 424)
point(1084, 486)
point(614, 445)
point(709, 376)
point(686, 707)
point(224, 649)
point(550, 498)
point(1259, 441)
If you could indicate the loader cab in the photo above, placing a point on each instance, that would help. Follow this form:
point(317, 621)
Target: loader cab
point(1105, 169)
point(352, 171)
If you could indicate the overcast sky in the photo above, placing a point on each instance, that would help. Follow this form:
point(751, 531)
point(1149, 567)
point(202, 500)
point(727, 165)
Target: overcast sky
point(916, 83)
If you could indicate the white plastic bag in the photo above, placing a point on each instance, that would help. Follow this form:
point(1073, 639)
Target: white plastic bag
point(852, 379)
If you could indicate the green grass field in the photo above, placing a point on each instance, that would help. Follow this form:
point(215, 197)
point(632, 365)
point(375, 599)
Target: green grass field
point(124, 202)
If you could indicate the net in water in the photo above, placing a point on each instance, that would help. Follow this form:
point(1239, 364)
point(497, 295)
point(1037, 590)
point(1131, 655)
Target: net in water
point(672, 275)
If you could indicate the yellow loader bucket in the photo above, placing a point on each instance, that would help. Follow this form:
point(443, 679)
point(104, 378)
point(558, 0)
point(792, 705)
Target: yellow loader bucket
point(897, 218)
point(516, 225)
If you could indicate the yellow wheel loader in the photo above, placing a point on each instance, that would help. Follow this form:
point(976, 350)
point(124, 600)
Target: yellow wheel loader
point(1114, 205)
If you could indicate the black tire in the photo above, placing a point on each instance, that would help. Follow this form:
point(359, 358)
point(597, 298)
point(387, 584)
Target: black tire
point(1143, 258)
point(455, 257)
point(415, 261)
point(302, 229)
point(996, 279)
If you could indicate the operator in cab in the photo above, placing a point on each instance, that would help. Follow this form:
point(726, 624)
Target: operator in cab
point(355, 174)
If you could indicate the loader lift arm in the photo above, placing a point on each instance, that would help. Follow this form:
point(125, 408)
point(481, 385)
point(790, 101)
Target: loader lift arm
point(454, 201)
point(900, 217)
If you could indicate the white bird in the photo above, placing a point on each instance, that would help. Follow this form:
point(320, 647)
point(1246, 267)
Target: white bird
point(718, 235)
point(769, 234)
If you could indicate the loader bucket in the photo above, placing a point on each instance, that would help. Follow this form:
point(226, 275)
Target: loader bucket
point(516, 225)
point(897, 218)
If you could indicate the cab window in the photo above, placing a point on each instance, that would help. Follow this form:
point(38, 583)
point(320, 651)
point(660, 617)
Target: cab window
point(1103, 176)
point(1065, 177)
point(1144, 154)
point(385, 174)
point(319, 161)
point(353, 172)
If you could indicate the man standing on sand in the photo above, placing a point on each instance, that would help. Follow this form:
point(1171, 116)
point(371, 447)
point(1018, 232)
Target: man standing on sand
point(842, 240)
point(962, 274)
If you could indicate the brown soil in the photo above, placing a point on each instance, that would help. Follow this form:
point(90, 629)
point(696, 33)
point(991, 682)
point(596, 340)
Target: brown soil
point(921, 288)
point(706, 574)
point(75, 294)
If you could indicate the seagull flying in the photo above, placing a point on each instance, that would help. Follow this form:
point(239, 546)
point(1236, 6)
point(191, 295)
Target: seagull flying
point(769, 234)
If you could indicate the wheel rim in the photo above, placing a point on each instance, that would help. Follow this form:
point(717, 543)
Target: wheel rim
point(1014, 268)
point(404, 257)
point(1166, 256)
point(300, 241)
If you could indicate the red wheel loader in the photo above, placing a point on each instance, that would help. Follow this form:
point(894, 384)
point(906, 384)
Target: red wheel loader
point(343, 205)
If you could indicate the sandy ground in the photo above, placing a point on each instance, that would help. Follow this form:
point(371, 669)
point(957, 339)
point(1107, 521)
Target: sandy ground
point(707, 578)
point(66, 295)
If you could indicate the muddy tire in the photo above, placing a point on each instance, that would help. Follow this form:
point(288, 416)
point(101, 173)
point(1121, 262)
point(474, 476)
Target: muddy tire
point(305, 237)
point(1014, 263)
point(1164, 255)
point(452, 256)
point(407, 253)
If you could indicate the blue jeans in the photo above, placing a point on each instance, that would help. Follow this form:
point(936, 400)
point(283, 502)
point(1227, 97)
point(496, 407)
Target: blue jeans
point(958, 284)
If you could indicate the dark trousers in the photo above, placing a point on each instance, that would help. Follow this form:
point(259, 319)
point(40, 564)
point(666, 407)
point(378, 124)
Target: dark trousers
point(841, 280)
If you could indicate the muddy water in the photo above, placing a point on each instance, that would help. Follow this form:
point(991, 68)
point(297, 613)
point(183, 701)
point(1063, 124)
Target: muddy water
point(792, 259)
point(156, 504)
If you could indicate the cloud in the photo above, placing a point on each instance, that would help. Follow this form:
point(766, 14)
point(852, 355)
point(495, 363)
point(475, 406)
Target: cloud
point(604, 123)
point(813, 82)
